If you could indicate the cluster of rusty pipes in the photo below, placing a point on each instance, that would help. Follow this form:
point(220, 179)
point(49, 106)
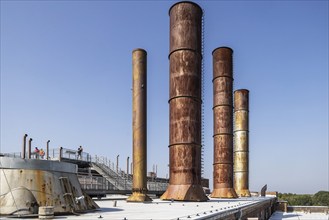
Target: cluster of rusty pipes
point(185, 57)
point(231, 148)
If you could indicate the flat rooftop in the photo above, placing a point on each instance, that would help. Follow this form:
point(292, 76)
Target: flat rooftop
point(114, 208)
point(299, 216)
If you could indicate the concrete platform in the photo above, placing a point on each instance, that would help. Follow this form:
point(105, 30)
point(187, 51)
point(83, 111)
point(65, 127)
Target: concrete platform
point(161, 210)
point(299, 216)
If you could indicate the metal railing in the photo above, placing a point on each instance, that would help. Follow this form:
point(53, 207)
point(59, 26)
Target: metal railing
point(119, 179)
point(113, 178)
point(102, 184)
point(55, 154)
point(16, 154)
point(95, 183)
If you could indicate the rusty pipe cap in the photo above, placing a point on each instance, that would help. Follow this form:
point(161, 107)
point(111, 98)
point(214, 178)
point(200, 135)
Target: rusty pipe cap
point(242, 91)
point(241, 100)
point(187, 2)
point(139, 49)
point(224, 48)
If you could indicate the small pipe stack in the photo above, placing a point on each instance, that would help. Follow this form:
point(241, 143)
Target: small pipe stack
point(47, 154)
point(241, 142)
point(60, 153)
point(24, 147)
point(223, 123)
point(29, 150)
point(139, 189)
point(127, 166)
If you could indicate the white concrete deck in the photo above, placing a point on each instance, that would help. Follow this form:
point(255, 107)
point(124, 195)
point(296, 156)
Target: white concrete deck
point(299, 216)
point(115, 207)
point(164, 210)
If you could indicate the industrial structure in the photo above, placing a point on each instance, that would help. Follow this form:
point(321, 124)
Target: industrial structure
point(185, 103)
point(29, 183)
point(139, 127)
point(241, 142)
point(26, 185)
point(223, 123)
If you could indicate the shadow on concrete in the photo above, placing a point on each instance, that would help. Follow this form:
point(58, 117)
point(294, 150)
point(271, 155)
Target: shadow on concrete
point(230, 200)
point(109, 210)
point(290, 215)
point(283, 215)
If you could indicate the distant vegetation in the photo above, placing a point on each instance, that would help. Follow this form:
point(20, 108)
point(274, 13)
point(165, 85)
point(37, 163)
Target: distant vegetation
point(320, 198)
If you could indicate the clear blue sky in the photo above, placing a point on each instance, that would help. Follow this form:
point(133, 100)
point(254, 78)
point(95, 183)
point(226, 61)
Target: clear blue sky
point(66, 76)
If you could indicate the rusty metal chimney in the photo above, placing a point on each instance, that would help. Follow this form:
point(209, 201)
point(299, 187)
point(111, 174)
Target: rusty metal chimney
point(29, 150)
point(223, 123)
point(185, 103)
point(24, 147)
point(139, 189)
point(241, 142)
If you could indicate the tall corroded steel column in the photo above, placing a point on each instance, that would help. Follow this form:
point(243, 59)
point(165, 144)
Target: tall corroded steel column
point(139, 189)
point(241, 142)
point(223, 123)
point(185, 103)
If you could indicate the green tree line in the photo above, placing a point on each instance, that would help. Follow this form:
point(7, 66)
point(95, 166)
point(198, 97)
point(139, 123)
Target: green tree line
point(320, 198)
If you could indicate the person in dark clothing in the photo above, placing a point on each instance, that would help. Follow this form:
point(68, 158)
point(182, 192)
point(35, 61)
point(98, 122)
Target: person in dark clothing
point(80, 149)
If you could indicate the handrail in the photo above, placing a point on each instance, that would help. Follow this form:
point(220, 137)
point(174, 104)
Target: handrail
point(111, 179)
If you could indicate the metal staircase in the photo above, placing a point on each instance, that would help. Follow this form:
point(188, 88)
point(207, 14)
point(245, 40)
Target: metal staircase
point(120, 181)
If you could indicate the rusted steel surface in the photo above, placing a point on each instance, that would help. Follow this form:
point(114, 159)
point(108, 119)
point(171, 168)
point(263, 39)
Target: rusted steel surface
point(185, 77)
point(241, 142)
point(185, 121)
point(185, 103)
point(185, 27)
point(185, 170)
point(139, 75)
point(223, 123)
point(26, 185)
